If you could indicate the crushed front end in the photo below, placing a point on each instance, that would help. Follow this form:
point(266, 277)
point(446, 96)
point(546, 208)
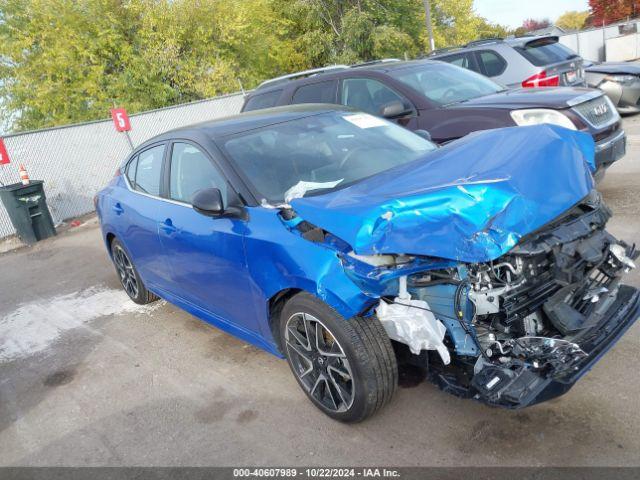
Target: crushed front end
point(523, 328)
point(488, 263)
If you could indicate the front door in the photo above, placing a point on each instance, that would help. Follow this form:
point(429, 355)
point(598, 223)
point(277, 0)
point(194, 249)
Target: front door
point(206, 254)
point(371, 96)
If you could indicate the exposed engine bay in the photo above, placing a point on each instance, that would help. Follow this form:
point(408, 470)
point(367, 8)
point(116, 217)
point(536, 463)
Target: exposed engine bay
point(502, 330)
point(514, 331)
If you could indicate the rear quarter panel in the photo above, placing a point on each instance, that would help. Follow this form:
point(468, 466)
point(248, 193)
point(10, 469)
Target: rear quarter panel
point(104, 210)
point(518, 68)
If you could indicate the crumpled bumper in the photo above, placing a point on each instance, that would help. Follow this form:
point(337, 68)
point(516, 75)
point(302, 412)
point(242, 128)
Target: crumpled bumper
point(528, 387)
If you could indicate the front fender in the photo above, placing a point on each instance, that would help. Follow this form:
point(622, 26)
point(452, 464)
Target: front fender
point(279, 259)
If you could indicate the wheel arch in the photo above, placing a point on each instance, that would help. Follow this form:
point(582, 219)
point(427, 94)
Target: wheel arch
point(108, 238)
point(345, 307)
point(275, 305)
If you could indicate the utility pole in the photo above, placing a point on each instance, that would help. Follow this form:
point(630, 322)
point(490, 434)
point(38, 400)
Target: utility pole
point(427, 9)
point(604, 42)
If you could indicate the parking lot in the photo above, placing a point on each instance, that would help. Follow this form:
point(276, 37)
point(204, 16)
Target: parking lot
point(89, 378)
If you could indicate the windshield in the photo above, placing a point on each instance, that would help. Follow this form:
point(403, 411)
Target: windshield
point(444, 84)
point(320, 153)
point(545, 51)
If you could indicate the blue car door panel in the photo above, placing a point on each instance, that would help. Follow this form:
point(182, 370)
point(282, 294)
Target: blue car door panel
point(206, 254)
point(139, 207)
point(208, 263)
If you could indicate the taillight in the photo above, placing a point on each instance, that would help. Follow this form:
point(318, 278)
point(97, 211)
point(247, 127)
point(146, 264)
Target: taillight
point(541, 80)
point(118, 173)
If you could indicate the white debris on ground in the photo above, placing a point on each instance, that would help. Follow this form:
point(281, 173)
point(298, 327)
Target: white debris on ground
point(33, 326)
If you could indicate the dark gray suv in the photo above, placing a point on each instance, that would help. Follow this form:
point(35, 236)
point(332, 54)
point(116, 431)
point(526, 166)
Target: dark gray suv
point(448, 101)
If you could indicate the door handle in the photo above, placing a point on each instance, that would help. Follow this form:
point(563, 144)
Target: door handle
point(118, 209)
point(167, 226)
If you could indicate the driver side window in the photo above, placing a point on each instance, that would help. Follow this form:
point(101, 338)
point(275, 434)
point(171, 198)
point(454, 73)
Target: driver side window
point(368, 95)
point(191, 171)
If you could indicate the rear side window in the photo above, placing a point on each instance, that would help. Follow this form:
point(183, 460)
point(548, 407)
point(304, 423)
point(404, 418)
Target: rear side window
point(321, 92)
point(262, 100)
point(491, 63)
point(148, 168)
point(545, 52)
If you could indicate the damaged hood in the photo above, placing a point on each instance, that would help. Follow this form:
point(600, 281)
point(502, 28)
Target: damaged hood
point(470, 201)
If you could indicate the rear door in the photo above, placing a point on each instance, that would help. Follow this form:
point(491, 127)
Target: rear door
point(139, 209)
point(258, 101)
point(463, 59)
point(319, 92)
point(554, 59)
point(490, 63)
point(206, 254)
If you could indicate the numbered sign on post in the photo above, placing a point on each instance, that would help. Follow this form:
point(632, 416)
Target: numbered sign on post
point(121, 119)
point(4, 156)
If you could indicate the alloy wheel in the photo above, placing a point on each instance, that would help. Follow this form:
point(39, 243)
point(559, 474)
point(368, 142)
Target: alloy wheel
point(319, 362)
point(126, 271)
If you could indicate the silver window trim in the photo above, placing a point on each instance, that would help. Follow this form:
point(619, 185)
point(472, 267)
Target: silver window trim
point(168, 200)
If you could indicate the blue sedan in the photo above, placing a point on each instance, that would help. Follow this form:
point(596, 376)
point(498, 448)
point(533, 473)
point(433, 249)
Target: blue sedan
point(347, 244)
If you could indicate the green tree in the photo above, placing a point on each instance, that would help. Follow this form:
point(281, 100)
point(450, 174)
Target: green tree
point(572, 20)
point(456, 23)
point(64, 61)
point(330, 31)
point(59, 59)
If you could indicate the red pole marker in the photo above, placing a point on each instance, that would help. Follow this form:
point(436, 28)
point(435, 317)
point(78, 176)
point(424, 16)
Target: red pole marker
point(120, 119)
point(4, 156)
point(122, 123)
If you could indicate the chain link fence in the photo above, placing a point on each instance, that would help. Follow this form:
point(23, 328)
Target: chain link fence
point(76, 161)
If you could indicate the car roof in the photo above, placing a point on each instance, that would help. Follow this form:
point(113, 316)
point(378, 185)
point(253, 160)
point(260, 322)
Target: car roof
point(379, 67)
point(243, 122)
point(488, 43)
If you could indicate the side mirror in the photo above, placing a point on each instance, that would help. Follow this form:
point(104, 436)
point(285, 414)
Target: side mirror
point(424, 134)
point(395, 109)
point(208, 201)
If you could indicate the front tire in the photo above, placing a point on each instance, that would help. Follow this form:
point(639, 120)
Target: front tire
point(347, 368)
point(128, 275)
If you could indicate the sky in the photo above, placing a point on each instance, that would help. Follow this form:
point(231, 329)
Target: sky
point(512, 12)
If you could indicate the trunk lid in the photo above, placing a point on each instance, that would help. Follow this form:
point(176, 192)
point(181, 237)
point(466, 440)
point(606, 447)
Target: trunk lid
point(569, 72)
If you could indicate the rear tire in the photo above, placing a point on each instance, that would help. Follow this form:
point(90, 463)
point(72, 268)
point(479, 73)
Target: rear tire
point(128, 275)
point(347, 368)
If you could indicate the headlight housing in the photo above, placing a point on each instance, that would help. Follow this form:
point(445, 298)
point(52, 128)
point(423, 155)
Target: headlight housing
point(536, 116)
point(621, 79)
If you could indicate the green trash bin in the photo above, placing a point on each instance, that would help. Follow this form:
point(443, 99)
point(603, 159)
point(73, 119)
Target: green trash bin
point(28, 211)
